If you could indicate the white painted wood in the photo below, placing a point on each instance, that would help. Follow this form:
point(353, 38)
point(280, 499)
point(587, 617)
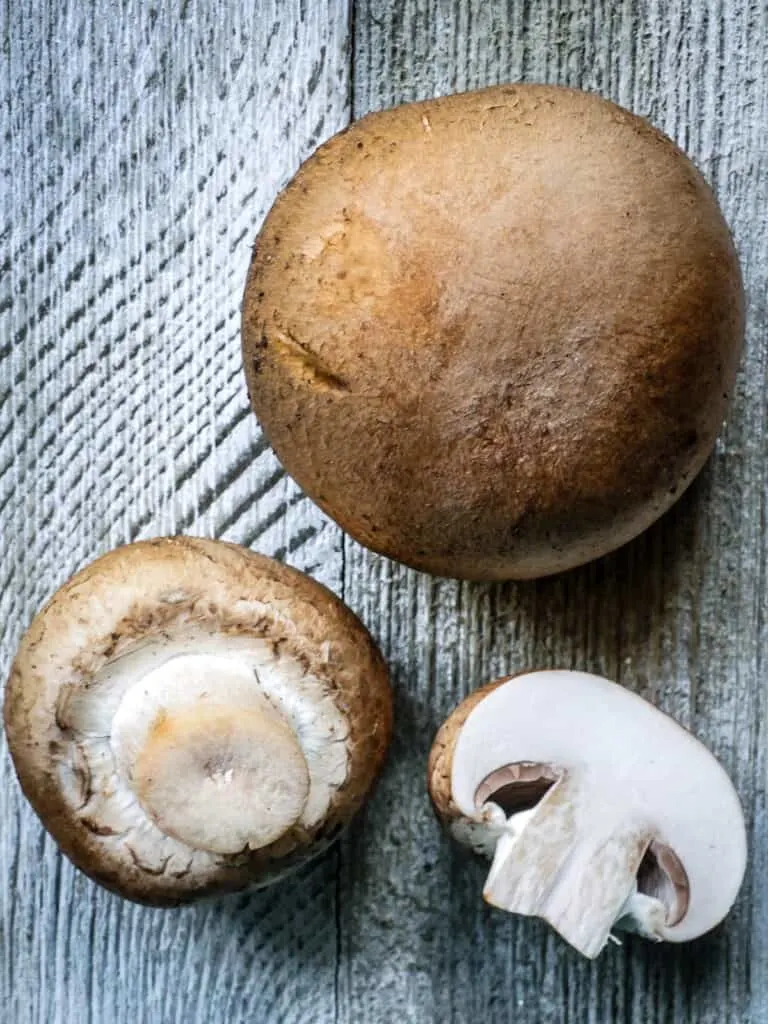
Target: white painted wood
point(143, 144)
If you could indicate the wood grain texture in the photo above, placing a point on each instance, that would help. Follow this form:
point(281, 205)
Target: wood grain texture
point(142, 146)
point(143, 143)
point(678, 616)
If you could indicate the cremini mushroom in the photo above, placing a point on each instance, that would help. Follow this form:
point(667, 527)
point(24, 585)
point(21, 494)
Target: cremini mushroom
point(494, 335)
point(598, 810)
point(188, 717)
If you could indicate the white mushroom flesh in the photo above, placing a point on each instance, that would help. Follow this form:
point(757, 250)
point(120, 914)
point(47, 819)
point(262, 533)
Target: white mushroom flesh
point(629, 783)
point(189, 749)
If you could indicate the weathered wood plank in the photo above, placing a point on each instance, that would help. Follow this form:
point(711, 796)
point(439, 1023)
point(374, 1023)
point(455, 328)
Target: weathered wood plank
point(143, 143)
point(678, 616)
point(143, 147)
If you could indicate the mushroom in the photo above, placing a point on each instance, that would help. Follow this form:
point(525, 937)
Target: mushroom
point(598, 810)
point(188, 717)
point(494, 335)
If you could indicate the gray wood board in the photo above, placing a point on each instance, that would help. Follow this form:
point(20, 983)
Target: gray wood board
point(677, 616)
point(146, 144)
point(142, 146)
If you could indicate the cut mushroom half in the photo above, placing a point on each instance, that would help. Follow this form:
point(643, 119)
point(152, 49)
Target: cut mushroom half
point(599, 811)
point(187, 717)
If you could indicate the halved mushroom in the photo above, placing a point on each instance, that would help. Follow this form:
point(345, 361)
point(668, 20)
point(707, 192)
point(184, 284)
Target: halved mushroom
point(187, 717)
point(599, 811)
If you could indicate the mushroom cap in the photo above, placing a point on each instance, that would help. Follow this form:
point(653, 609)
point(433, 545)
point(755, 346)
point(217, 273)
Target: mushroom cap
point(125, 614)
point(494, 335)
point(637, 764)
point(441, 754)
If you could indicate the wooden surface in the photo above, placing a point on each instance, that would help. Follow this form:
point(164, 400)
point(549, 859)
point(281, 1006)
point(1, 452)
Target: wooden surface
point(142, 145)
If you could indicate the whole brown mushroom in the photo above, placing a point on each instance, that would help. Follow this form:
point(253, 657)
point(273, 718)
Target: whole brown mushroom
point(187, 717)
point(494, 335)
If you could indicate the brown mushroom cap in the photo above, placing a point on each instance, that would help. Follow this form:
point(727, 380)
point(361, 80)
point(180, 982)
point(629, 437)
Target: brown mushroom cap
point(494, 335)
point(440, 762)
point(183, 594)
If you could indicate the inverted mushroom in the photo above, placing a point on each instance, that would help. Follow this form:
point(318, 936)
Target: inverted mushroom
point(598, 810)
point(188, 717)
point(494, 335)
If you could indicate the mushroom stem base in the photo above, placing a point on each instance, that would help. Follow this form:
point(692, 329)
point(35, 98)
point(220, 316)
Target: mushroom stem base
point(209, 758)
point(222, 779)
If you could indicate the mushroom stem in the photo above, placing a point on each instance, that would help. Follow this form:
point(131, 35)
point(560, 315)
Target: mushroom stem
point(577, 872)
point(222, 779)
point(209, 757)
